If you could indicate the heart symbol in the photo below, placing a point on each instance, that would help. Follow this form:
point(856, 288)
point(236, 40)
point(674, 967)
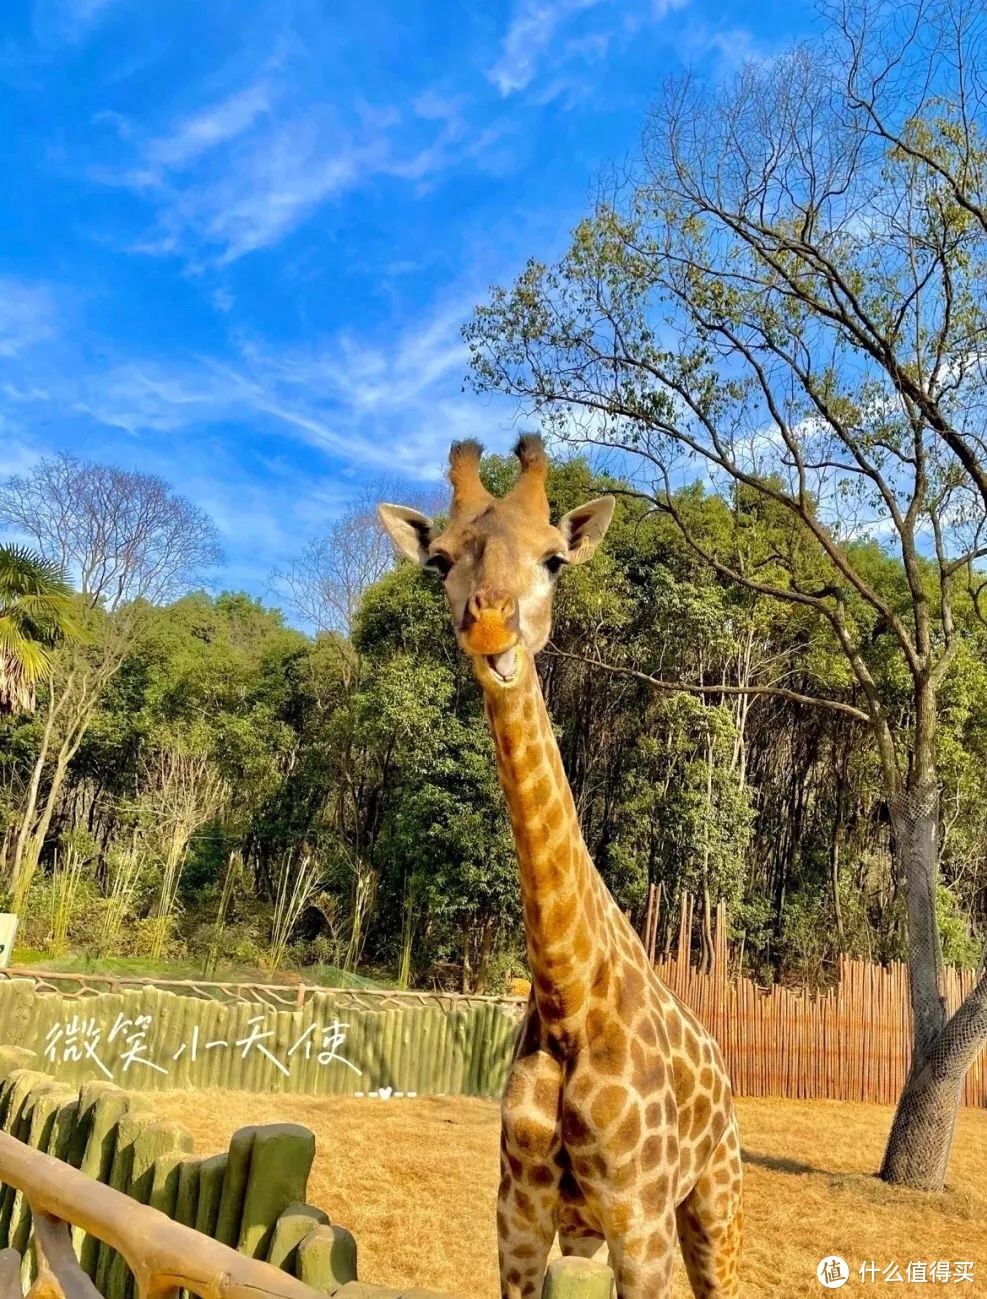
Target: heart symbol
point(385, 1093)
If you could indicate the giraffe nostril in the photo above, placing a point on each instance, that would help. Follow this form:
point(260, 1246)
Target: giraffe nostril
point(483, 600)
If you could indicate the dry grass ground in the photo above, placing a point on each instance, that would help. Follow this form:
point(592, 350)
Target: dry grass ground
point(415, 1181)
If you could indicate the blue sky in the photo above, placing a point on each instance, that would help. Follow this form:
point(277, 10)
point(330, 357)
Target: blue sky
point(238, 239)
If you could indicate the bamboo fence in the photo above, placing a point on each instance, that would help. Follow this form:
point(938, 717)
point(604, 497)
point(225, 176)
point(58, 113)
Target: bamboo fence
point(850, 1042)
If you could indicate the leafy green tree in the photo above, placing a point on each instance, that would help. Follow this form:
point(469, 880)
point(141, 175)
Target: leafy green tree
point(445, 852)
point(128, 540)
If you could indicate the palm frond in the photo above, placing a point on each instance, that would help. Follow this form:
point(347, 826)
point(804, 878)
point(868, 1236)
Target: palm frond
point(36, 613)
point(27, 572)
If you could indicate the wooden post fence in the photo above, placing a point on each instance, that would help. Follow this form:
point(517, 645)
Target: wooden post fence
point(101, 1199)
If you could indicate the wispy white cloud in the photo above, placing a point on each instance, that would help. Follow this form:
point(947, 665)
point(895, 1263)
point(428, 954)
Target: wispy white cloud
point(17, 452)
point(263, 508)
point(368, 378)
point(213, 125)
point(433, 105)
point(241, 173)
point(729, 46)
point(223, 299)
point(242, 167)
point(388, 407)
point(541, 55)
point(313, 423)
point(574, 82)
point(529, 38)
point(28, 315)
point(261, 191)
point(662, 8)
point(148, 396)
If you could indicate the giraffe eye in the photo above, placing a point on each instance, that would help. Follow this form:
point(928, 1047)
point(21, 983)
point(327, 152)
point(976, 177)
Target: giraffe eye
point(554, 562)
point(439, 563)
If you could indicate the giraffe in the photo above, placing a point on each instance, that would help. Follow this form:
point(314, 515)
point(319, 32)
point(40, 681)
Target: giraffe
point(617, 1121)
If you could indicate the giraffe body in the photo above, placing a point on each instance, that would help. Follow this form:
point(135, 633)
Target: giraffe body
point(618, 1125)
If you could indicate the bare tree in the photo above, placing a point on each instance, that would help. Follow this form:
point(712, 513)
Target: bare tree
point(324, 584)
point(790, 298)
point(126, 539)
point(119, 534)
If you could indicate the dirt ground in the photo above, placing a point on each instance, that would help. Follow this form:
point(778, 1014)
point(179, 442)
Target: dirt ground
point(415, 1181)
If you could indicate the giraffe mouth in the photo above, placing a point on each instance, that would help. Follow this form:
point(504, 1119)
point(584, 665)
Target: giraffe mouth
point(506, 666)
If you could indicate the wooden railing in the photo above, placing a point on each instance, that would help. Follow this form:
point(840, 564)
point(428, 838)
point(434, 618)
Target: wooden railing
point(166, 1258)
point(163, 1256)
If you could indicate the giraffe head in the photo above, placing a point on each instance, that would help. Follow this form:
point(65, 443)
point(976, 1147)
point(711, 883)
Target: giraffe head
point(499, 558)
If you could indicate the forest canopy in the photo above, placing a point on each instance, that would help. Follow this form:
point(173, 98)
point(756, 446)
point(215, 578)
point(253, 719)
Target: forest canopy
point(202, 782)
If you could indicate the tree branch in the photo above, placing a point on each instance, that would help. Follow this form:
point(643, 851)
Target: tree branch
point(777, 692)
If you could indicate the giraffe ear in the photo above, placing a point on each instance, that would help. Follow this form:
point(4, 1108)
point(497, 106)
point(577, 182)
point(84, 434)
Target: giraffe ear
point(410, 530)
point(586, 526)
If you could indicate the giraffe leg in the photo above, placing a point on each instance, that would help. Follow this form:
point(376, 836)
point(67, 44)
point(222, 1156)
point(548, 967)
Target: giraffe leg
point(528, 1203)
point(710, 1223)
point(643, 1256)
point(526, 1226)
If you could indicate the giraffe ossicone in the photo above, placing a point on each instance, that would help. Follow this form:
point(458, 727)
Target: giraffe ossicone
point(618, 1125)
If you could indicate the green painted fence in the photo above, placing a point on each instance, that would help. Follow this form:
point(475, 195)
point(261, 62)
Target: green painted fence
point(153, 1039)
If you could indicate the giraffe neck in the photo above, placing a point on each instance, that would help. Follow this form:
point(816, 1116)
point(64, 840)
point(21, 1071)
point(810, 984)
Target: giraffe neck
point(563, 896)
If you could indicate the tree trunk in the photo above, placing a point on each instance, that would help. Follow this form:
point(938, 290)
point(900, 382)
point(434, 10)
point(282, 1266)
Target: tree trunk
point(34, 788)
point(466, 975)
point(921, 1137)
point(834, 884)
point(707, 960)
point(486, 948)
point(407, 935)
point(33, 845)
point(707, 922)
point(834, 851)
point(915, 818)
